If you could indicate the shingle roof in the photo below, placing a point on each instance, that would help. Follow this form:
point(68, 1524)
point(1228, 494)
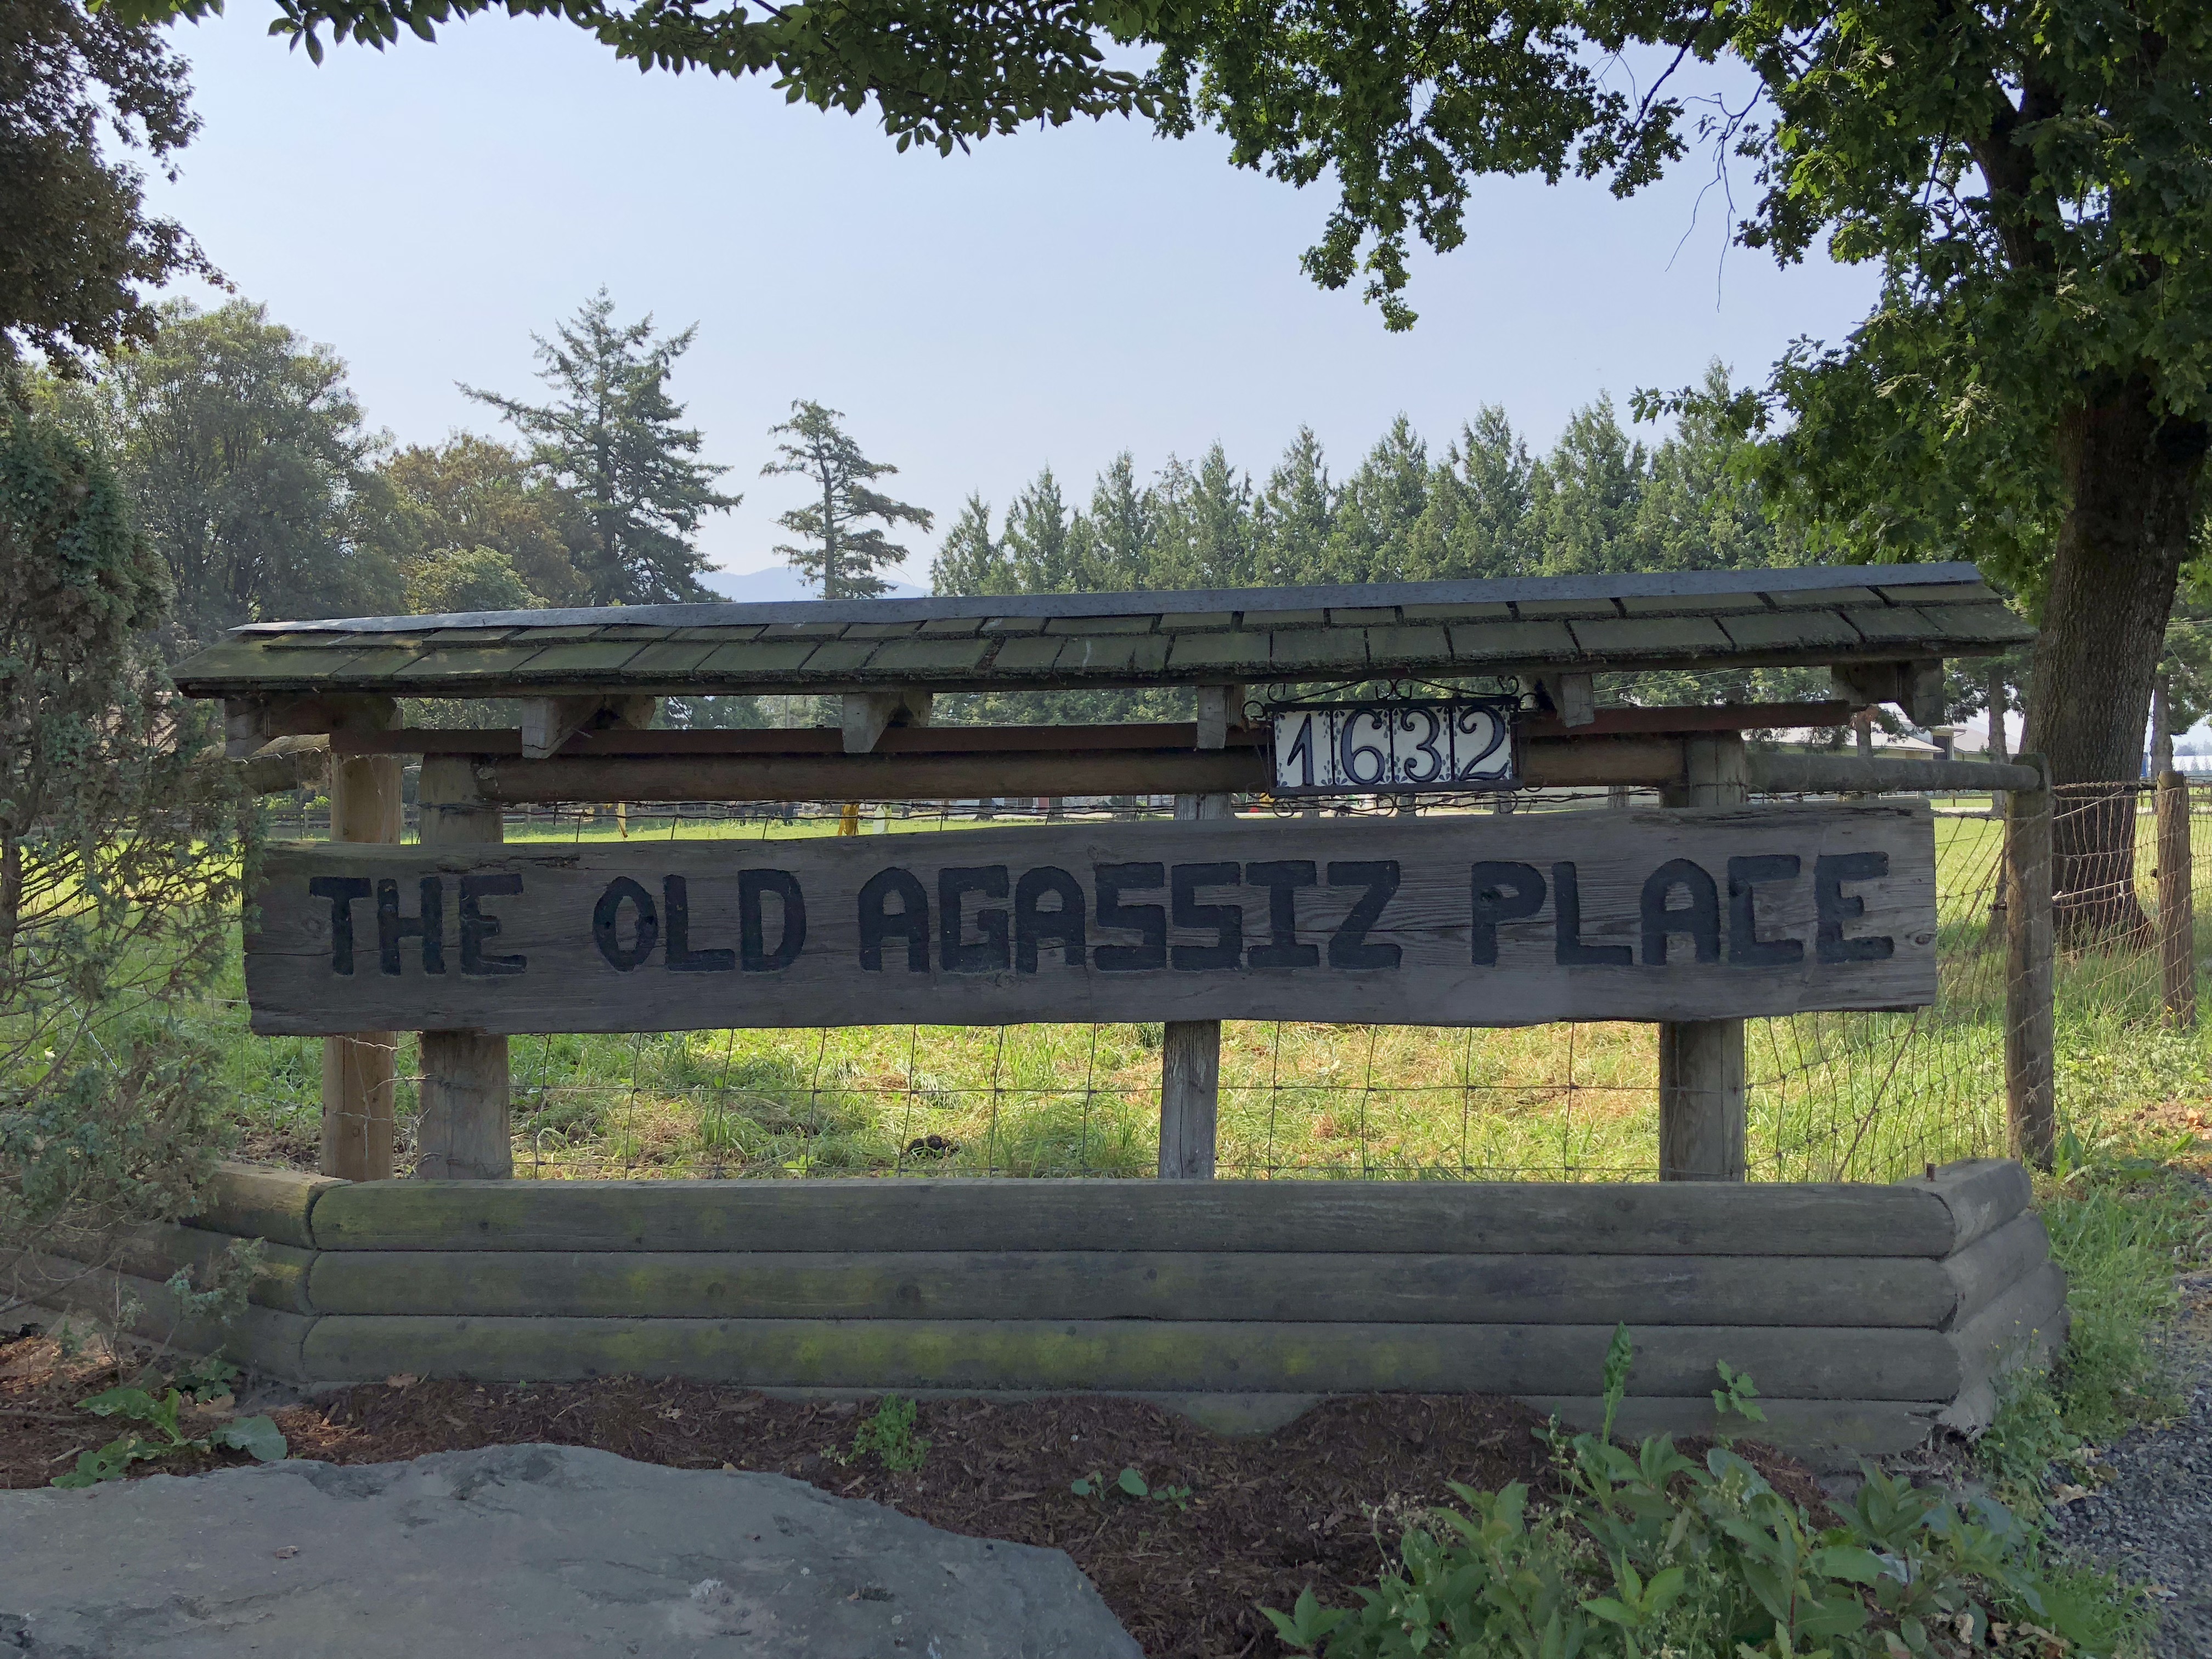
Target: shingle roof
point(1689, 619)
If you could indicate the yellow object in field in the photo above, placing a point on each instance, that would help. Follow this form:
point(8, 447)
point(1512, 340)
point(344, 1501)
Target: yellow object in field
point(849, 822)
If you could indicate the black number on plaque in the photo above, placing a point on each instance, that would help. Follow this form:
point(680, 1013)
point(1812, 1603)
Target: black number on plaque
point(910, 922)
point(1035, 927)
point(606, 925)
point(1503, 892)
point(1426, 746)
point(1148, 921)
point(752, 952)
point(1282, 878)
point(1475, 723)
point(1745, 947)
point(1349, 749)
point(341, 891)
point(1833, 907)
point(1347, 945)
point(956, 953)
point(476, 927)
point(1301, 752)
point(676, 896)
point(428, 924)
point(1700, 918)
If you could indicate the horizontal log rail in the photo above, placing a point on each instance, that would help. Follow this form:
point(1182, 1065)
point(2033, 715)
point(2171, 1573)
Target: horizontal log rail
point(1830, 774)
point(999, 740)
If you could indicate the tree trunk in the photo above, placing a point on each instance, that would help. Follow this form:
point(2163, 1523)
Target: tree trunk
point(2132, 474)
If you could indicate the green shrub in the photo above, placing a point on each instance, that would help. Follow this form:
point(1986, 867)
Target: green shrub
point(1651, 1552)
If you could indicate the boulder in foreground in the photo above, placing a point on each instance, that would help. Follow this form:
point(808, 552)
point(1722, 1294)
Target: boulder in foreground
point(551, 1551)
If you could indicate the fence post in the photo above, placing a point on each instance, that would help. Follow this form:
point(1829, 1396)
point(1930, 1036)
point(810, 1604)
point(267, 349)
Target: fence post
point(464, 1133)
point(2031, 1080)
point(360, 1070)
point(1701, 1100)
point(2177, 913)
point(1190, 1049)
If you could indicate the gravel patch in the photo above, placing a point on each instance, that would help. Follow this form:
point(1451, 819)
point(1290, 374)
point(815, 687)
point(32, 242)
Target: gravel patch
point(2152, 1519)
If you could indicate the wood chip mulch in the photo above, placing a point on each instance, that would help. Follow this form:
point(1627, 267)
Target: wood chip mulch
point(1316, 1502)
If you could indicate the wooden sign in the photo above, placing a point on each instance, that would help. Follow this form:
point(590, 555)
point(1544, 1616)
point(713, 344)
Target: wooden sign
point(1480, 920)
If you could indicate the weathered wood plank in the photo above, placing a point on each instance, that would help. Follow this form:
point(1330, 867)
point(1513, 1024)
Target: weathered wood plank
point(2030, 1029)
point(1982, 1194)
point(1478, 919)
point(946, 1213)
point(2023, 1327)
point(260, 1339)
point(1819, 1363)
point(252, 1202)
point(155, 1249)
point(1993, 1264)
point(1295, 1288)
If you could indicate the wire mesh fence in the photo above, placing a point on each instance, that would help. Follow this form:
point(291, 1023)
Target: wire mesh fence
point(1831, 1095)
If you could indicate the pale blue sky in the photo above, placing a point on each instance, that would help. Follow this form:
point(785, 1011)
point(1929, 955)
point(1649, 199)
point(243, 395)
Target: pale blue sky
point(1053, 297)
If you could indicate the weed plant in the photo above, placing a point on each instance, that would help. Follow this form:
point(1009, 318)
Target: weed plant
point(1653, 1552)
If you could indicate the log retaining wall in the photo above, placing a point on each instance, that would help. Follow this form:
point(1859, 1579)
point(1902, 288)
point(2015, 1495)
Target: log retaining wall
point(1866, 1315)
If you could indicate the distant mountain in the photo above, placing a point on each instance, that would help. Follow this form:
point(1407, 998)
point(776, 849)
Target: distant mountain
point(779, 582)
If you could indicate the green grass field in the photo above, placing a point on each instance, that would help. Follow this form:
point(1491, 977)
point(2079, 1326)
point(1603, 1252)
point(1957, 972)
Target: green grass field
point(1832, 1096)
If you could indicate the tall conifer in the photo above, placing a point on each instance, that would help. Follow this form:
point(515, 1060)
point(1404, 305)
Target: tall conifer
point(609, 435)
point(842, 558)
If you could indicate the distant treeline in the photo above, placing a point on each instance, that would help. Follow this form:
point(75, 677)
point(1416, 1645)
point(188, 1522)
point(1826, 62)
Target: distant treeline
point(1483, 506)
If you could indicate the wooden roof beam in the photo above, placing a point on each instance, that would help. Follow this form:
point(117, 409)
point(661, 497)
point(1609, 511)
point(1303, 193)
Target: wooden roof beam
point(548, 722)
point(1916, 687)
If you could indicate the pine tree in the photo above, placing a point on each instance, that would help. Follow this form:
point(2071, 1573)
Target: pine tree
point(844, 558)
point(1117, 536)
point(1378, 508)
point(1586, 495)
point(1291, 518)
point(610, 436)
point(1037, 544)
point(969, 560)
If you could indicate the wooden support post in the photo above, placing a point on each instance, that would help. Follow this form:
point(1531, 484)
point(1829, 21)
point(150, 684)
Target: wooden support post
point(464, 1132)
point(2031, 1103)
point(2177, 912)
point(359, 1070)
point(1701, 1103)
point(1190, 1049)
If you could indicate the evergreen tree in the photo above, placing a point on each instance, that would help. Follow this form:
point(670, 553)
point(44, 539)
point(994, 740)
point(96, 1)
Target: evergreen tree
point(1292, 515)
point(1038, 547)
point(1115, 538)
point(1220, 546)
point(1370, 539)
point(1586, 494)
point(968, 561)
point(1697, 512)
point(1489, 479)
point(610, 435)
point(844, 558)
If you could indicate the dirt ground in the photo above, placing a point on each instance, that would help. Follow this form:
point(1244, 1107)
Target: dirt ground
point(1316, 1502)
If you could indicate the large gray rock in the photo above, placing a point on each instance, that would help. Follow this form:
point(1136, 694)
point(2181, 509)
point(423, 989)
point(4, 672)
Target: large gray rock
point(544, 1551)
